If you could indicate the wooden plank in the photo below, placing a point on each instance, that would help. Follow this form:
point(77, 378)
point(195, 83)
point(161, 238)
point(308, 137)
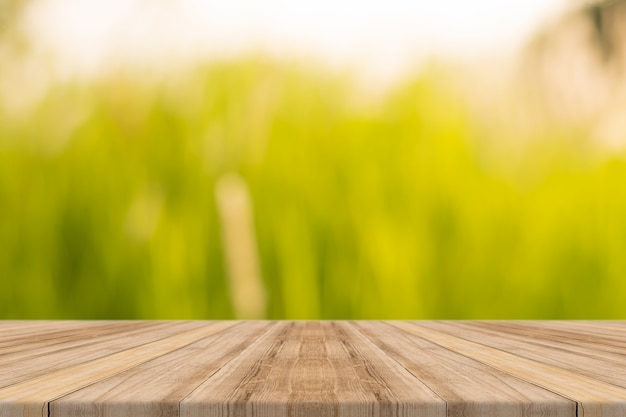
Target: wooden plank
point(601, 334)
point(34, 361)
point(574, 336)
point(12, 348)
point(30, 398)
point(7, 326)
point(42, 331)
point(470, 388)
point(603, 360)
point(171, 377)
point(595, 398)
point(307, 369)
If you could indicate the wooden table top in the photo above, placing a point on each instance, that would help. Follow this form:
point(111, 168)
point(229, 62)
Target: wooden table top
point(312, 368)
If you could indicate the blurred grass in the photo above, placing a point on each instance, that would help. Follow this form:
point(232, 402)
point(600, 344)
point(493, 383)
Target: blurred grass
point(404, 207)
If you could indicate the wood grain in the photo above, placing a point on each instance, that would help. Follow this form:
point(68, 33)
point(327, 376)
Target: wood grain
point(312, 368)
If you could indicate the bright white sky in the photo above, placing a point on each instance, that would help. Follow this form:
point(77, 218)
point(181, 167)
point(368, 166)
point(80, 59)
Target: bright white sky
point(87, 33)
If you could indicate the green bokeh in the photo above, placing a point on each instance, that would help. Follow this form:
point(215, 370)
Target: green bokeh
point(405, 207)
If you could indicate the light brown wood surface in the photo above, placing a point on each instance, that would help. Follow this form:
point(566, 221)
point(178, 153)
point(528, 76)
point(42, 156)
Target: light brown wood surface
point(312, 368)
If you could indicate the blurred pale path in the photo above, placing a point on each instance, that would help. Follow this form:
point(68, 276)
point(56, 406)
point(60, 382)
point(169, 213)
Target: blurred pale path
point(240, 246)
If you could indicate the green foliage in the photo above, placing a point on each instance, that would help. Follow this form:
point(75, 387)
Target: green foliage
point(395, 208)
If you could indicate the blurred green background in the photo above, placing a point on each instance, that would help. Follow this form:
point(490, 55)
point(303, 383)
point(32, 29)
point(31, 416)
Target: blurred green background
point(256, 187)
